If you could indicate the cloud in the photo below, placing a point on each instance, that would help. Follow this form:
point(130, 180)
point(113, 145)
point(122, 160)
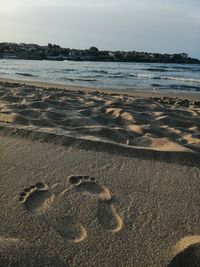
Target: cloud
point(151, 25)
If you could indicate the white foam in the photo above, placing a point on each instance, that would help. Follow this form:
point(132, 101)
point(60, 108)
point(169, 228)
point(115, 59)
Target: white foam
point(190, 80)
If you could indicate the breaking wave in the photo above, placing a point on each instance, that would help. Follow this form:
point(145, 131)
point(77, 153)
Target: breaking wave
point(179, 79)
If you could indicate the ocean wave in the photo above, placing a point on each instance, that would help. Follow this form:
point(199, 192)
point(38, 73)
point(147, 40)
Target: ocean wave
point(93, 76)
point(119, 73)
point(190, 88)
point(195, 70)
point(118, 76)
point(170, 78)
point(99, 71)
point(66, 70)
point(143, 75)
point(181, 68)
point(156, 85)
point(179, 79)
point(26, 74)
point(140, 75)
point(63, 71)
point(157, 69)
point(79, 79)
point(182, 87)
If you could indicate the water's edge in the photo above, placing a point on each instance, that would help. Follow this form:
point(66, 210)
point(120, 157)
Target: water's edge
point(121, 76)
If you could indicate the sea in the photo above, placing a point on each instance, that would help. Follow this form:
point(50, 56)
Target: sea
point(115, 75)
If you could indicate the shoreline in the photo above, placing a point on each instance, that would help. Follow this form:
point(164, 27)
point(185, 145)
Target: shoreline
point(129, 92)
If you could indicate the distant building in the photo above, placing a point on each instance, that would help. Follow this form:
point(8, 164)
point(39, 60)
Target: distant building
point(184, 55)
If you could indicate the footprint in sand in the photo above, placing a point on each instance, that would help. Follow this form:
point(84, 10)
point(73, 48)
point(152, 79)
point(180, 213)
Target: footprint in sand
point(86, 184)
point(186, 253)
point(37, 199)
point(108, 217)
point(106, 214)
point(70, 229)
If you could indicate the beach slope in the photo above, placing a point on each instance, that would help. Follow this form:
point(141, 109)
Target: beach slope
point(95, 179)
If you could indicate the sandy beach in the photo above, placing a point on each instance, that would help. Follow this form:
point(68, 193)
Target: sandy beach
point(98, 177)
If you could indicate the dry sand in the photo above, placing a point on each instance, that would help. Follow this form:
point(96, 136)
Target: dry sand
point(98, 179)
point(159, 123)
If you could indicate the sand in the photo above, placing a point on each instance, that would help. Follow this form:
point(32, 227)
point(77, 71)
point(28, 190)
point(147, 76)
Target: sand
point(96, 179)
point(159, 123)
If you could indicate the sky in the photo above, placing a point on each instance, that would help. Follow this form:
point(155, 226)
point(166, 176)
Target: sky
point(163, 26)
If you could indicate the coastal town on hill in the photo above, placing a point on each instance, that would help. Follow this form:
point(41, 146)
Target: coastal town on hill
point(55, 52)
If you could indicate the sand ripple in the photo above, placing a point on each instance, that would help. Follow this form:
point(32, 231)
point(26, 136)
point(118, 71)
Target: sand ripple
point(168, 124)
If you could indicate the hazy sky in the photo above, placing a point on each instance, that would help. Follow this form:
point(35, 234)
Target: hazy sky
point(143, 25)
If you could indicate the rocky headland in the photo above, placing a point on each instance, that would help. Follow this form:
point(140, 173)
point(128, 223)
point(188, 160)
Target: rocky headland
point(55, 52)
